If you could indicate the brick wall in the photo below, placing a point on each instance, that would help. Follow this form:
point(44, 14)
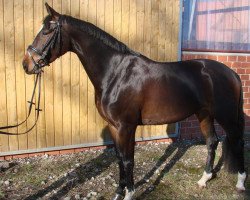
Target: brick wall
point(240, 63)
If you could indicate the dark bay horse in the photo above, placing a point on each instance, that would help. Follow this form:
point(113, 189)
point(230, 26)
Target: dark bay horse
point(132, 90)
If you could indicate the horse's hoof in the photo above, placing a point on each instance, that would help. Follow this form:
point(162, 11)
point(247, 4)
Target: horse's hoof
point(117, 197)
point(240, 189)
point(129, 194)
point(201, 184)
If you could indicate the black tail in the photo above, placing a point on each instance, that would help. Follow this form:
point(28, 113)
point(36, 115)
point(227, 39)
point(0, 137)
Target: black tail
point(233, 146)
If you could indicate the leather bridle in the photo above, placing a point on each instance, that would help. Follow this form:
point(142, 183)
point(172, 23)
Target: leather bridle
point(44, 53)
point(38, 65)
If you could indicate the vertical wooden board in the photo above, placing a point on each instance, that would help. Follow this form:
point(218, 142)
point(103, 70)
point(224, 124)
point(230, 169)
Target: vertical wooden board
point(4, 139)
point(100, 22)
point(162, 29)
point(146, 131)
point(83, 85)
point(147, 29)
point(140, 14)
point(161, 48)
point(57, 78)
point(75, 83)
point(168, 33)
point(10, 69)
point(175, 33)
point(29, 80)
point(66, 88)
point(91, 102)
point(154, 41)
point(155, 29)
point(125, 22)
point(132, 24)
point(49, 99)
point(40, 128)
point(117, 19)
point(109, 16)
point(20, 76)
point(139, 42)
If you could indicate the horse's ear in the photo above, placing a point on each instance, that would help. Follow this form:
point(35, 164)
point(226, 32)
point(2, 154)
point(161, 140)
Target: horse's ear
point(52, 12)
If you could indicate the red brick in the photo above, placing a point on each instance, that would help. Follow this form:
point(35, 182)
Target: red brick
point(232, 58)
point(229, 64)
point(222, 58)
point(81, 149)
point(241, 71)
point(246, 65)
point(201, 56)
point(245, 89)
point(236, 64)
point(21, 156)
point(67, 151)
point(52, 152)
point(212, 57)
point(244, 77)
point(247, 106)
point(242, 58)
point(247, 71)
point(36, 154)
point(185, 124)
point(246, 95)
point(248, 58)
point(195, 124)
point(246, 83)
point(141, 142)
point(8, 157)
point(164, 140)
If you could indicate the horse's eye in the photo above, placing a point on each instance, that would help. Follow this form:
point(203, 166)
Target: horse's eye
point(42, 62)
point(46, 32)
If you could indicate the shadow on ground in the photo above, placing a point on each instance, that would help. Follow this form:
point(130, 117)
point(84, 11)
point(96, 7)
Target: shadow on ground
point(174, 152)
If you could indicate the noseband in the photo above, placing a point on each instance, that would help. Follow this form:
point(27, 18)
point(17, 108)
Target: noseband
point(44, 52)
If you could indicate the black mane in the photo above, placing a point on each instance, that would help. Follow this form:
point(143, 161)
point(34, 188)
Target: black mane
point(94, 31)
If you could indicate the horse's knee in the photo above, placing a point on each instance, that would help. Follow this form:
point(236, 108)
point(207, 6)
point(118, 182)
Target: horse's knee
point(128, 164)
point(212, 143)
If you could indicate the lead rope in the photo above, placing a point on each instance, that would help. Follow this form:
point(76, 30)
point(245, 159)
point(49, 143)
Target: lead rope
point(37, 110)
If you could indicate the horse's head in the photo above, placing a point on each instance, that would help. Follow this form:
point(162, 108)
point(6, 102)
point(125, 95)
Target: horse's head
point(49, 44)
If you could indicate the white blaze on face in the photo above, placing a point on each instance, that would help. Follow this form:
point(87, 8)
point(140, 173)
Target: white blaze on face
point(40, 28)
point(241, 180)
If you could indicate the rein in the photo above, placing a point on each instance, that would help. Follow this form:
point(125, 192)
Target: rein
point(38, 65)
point(31, 102)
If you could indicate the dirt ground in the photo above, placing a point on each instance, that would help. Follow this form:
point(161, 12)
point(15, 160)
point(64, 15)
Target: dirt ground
point(162, 171)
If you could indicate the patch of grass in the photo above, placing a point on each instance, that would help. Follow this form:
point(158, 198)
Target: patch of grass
point(98, 162)
point(189, 169)
point(1, 194)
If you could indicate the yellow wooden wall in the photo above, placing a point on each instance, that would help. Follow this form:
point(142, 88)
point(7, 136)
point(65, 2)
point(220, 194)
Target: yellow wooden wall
point(69, 115)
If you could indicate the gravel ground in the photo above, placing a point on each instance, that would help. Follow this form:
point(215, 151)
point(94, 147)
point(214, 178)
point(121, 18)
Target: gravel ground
point(162, 171)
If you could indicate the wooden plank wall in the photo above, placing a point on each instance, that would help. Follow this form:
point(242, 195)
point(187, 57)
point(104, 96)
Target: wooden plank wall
point(69, 115)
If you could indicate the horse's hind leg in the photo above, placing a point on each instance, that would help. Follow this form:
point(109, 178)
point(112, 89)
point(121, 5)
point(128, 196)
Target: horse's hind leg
point(208, 130)
point(233, 147)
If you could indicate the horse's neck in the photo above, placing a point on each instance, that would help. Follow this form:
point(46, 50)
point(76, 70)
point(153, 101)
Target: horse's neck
point(93, 56)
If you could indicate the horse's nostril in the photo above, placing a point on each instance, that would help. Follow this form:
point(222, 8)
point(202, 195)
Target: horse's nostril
point(25, 65)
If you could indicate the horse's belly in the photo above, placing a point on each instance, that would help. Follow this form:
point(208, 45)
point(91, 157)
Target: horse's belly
point(167, 110)
point(157, 117)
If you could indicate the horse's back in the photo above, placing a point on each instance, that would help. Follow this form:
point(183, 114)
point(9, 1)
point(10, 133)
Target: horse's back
point(181, 89)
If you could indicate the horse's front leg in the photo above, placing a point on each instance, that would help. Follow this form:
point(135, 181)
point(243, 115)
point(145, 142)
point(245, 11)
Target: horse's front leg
point(124, 139)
